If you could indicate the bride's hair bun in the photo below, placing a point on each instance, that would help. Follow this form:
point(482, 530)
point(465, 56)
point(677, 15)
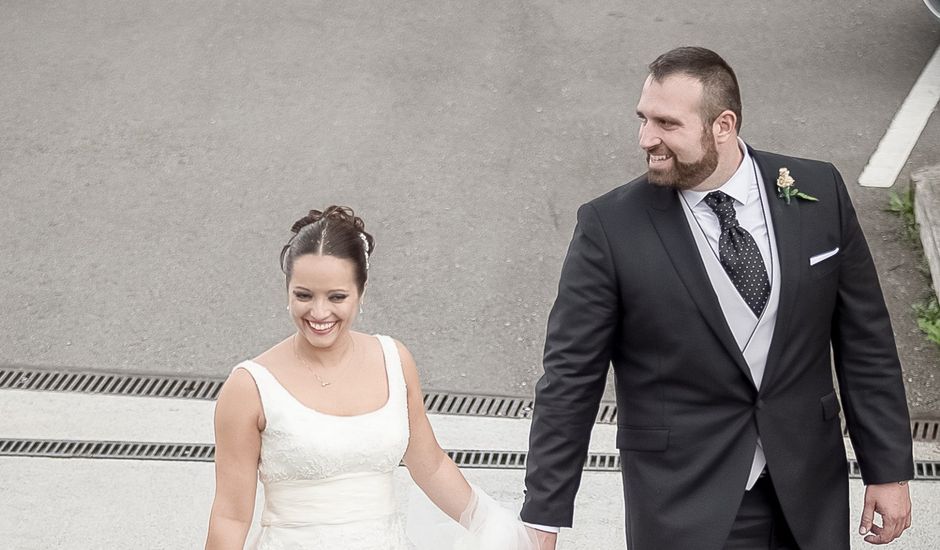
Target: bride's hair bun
point(337, 214)
point(335, 231)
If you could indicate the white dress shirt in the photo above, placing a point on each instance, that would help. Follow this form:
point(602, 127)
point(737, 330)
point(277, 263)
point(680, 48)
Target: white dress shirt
point(743, 188)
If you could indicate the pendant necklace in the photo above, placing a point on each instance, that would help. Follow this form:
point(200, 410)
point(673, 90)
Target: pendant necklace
point(305, 363)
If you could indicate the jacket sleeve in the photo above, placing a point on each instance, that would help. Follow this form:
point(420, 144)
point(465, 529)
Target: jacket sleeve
point(866, 360)
point(577, 357)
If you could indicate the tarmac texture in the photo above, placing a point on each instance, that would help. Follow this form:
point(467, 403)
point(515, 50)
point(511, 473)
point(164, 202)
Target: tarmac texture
point(154, 156)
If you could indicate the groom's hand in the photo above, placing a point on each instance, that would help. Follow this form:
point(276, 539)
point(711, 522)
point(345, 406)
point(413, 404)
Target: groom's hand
point(893, 502)
point(545, 539)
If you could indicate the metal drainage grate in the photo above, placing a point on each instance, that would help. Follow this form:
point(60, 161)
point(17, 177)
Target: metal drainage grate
point(516, 460)
point(505, 460)
point(923, 470)
point(925, 430)
point(607, 414)
point(189, 452)
point(477, 405)
point(131, 450)
point(927, 470)
point(496, 406)
point(207, 388)
point(109, 383)
point(921, 430)
point(203, 452)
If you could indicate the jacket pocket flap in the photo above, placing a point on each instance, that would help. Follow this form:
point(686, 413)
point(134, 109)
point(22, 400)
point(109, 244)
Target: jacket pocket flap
point(642, 439)
point(830, 406)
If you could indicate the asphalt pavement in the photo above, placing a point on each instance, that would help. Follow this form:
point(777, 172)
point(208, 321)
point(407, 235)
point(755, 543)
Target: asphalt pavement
point(153, 158)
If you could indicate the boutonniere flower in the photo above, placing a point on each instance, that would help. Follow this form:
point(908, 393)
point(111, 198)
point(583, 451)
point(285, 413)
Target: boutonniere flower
point(786, 190)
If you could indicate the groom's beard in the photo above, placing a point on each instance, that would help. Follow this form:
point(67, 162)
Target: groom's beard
point(685, 175)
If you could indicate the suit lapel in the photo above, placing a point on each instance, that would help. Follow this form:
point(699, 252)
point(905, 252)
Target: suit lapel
point(673, 229)
point(786, 221)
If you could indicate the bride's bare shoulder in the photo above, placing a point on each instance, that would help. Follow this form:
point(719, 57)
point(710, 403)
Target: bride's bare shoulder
point(275, 355)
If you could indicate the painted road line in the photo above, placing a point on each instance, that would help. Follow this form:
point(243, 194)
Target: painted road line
point(895, 147)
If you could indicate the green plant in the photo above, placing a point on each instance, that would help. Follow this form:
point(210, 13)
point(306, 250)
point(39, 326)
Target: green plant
point(903, 206)
point(928, 312)
point(928, 318)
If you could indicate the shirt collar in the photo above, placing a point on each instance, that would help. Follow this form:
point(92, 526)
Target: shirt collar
point(738, 186)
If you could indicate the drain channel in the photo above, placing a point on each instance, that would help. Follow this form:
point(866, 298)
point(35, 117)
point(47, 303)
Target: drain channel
point(203, 452)
point(132, 450)
point(207, 388)
point(138, 385)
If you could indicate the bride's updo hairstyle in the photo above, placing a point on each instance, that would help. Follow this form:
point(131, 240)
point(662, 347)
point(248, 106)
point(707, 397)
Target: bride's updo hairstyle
point(337, 232)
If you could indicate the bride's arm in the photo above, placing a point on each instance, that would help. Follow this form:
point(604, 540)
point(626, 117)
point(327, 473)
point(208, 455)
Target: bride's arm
point(238, 422)
point(430, 467)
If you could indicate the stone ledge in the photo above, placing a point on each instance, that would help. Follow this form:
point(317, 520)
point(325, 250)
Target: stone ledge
point(926, 185)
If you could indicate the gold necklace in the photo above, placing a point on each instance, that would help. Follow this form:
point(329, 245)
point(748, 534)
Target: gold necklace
point(303, 361)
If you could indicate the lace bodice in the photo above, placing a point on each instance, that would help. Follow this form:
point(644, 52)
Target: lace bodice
point(327, 478)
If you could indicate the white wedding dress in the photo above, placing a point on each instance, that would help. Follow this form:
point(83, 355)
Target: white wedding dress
point(328, 480)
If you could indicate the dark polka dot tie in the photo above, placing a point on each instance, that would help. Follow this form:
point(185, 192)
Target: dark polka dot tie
point(739, 254)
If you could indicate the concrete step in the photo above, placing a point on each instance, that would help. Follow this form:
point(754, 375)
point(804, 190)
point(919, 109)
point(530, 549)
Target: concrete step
point(926, 184)
point(82, 503)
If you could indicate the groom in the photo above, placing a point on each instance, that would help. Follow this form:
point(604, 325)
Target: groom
point(715, 285)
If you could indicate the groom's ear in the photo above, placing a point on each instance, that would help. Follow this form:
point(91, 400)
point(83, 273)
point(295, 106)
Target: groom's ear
point(725, 127)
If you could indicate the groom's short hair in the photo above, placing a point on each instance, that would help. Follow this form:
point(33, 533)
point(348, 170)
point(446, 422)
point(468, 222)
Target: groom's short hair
point(719, 84)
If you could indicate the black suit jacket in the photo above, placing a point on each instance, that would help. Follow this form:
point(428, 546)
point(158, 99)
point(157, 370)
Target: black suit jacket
point(634, 294)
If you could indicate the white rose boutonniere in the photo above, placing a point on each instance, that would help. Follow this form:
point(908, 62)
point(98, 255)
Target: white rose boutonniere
point(786, 190)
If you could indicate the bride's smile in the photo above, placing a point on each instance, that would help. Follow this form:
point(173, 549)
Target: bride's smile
point(322, 327)
point(324, 299)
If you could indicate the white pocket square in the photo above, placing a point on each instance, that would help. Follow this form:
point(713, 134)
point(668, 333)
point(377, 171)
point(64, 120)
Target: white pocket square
point(824, 256)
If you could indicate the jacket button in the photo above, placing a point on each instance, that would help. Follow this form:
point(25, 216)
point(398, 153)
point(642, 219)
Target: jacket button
point(759, 404)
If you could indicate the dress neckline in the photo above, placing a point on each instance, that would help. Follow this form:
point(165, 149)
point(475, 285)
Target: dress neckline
point(385, 404)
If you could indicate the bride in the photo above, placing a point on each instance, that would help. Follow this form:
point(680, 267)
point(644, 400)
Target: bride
point(324, 418)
